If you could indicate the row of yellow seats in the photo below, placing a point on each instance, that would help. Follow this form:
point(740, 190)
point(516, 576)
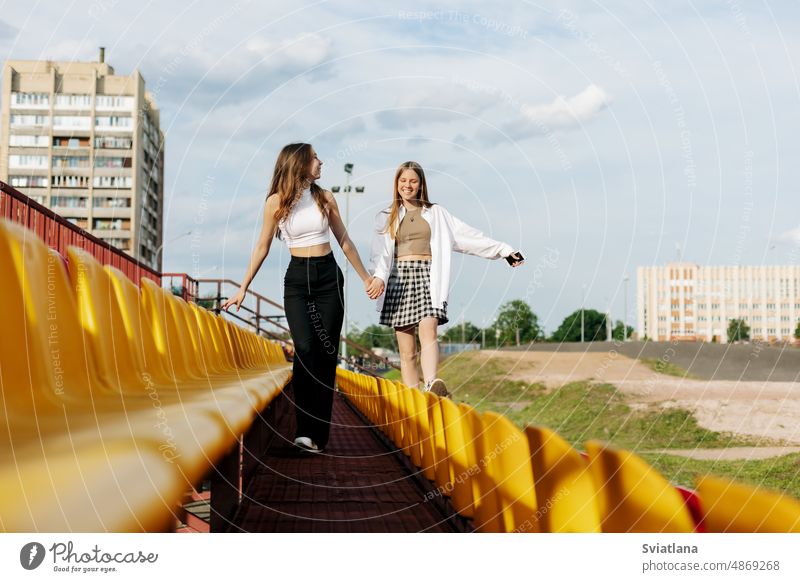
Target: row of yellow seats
point(510, 480)
point(116, 399)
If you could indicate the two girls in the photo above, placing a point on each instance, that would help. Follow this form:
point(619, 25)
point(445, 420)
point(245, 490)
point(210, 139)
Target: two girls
point(410, 260)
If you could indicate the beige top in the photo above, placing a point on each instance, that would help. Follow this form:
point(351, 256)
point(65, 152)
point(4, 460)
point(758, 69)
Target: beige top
point(413, 234)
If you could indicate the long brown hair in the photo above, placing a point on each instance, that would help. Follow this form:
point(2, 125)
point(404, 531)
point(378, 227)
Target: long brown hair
point(422, 196)
point(291, 169)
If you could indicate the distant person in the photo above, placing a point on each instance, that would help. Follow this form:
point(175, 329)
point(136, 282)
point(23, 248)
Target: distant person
point(302, 213)
point(411, 248)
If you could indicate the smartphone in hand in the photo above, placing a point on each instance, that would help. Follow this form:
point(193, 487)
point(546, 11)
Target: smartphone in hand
point(515, 258)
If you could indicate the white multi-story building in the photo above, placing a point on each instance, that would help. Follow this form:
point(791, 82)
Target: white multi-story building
point(86, 143)
point(684, 301)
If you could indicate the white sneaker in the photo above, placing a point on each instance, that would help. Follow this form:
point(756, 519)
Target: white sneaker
point(307, 444)
point(439, 388)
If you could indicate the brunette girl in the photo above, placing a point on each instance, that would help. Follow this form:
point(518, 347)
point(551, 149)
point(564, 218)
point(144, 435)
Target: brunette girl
point(300, 212)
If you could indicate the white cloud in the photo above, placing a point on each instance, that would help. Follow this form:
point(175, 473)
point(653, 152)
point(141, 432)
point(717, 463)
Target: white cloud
point(790, 236)
point(560, 113)
point(566, 111)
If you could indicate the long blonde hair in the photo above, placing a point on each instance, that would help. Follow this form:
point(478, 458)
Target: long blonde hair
point(291, 170)
point(422, 196)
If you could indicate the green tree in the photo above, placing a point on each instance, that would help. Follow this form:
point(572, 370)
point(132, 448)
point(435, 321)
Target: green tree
point(470, 333)
point(594, 325)
point(797, 330)
point(208, 302)
point(738, 330)
point(374, 336)
point(514, 315)
point(616, 333)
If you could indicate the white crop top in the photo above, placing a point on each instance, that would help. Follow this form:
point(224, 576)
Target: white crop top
point(306, 225)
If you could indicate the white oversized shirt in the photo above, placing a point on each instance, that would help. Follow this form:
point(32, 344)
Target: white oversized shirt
point(448, 234)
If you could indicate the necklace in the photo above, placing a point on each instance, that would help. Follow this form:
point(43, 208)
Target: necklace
point(411, 218)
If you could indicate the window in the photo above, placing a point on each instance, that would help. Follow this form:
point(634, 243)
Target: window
point(111, 224)
point(114, 102)
point(112, 122)
point(69, 201)
point(60, 181)
point(72, 121)
point(70, 161)
point(17, 161)
point(105, 162)
point(28, 181)
point(32, 120)
point(70, 101)
point(27, 140)
point(112, 182)
point(113, 143)
point(30, 99)
point(63, 141)
point(106, 202)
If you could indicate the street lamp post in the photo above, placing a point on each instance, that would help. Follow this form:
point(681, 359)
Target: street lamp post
point(583, 302)
point(348, 171)
point(625, 310)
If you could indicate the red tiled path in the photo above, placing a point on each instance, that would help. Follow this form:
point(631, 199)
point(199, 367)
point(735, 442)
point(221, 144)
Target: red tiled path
point(359, 484)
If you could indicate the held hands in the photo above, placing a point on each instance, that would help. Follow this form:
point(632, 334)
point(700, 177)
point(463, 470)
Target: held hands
point(235, 300)
point(374, 287)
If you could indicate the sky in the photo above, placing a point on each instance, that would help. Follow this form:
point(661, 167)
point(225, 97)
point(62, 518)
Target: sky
point(595, 137)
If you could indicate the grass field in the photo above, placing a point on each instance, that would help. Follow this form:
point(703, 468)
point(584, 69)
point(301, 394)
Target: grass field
point(778, 473)
point(665, 367)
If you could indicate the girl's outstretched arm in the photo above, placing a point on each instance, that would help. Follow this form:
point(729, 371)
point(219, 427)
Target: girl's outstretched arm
point(471, 241)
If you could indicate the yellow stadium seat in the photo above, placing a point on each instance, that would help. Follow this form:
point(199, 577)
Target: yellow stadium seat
point(438, 444)
point(407, 407)
point(632, 496)
point(564, 489)
point(424, 437)
point(103, 316)
point(508, 465)
point(459, 479)
point(730, 507)
point(65, 395)
point(488, 516)
point(113, 486)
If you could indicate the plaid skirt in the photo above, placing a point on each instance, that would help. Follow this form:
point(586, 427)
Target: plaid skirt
point(408, 295)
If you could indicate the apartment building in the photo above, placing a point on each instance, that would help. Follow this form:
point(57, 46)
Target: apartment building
point(685, 301)
point(86, 143)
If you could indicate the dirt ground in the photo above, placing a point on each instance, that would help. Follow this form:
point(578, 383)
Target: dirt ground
point(758, 408)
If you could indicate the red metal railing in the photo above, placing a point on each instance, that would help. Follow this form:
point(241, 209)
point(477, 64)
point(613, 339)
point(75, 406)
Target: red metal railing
point(187, 285)
point(59, 233)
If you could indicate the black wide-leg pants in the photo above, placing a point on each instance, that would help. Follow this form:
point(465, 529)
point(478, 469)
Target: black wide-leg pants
point(313, 297)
